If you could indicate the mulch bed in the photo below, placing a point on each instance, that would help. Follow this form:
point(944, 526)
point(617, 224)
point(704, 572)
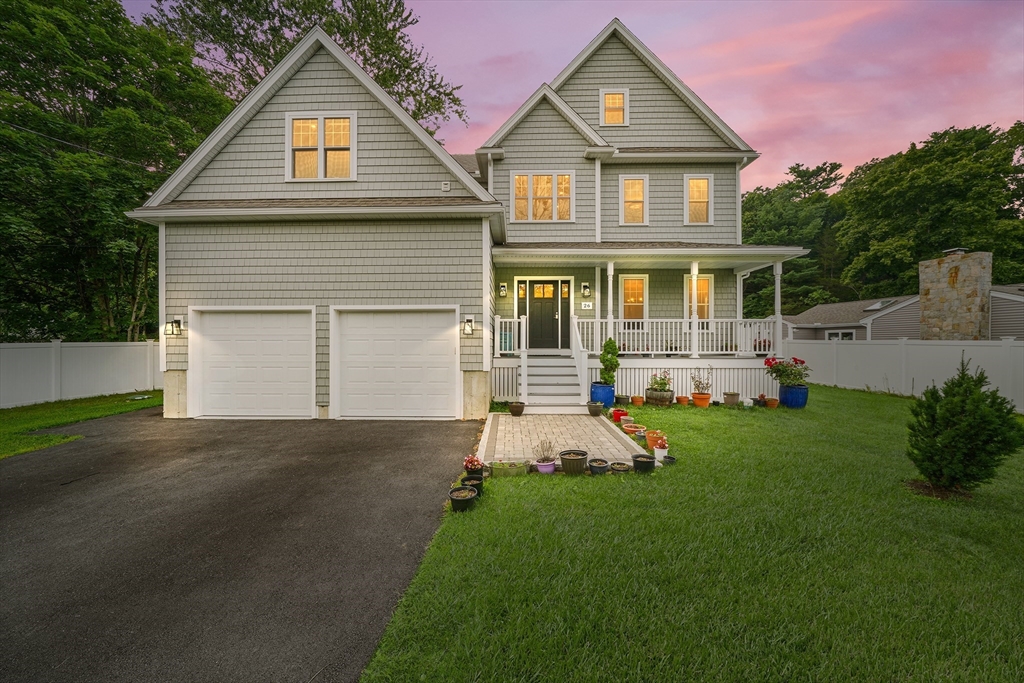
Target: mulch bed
point(923, 488)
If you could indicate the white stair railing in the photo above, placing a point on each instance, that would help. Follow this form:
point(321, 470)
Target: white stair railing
point(579, 354)
point(524, 385)
point(507, 338)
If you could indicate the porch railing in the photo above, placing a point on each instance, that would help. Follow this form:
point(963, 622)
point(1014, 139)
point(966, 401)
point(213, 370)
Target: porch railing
point(668, 335)
point(509, 334)
point(579, 355)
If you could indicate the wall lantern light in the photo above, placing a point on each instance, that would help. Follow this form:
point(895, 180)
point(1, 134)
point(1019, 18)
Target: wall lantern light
point(503, 289)
point(467, 327)
point(172, 328)
point(585, 289)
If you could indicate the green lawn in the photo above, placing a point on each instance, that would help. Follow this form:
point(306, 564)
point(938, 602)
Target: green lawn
point(783, 546)
point(15, 422)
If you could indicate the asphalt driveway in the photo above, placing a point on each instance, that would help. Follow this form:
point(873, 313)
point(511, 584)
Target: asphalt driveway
point(201, 550)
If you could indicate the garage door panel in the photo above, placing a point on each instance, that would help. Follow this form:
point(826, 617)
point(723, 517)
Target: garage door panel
point(397, 363)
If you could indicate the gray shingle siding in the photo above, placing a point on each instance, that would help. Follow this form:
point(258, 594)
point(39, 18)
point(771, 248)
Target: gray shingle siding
point(904, 322)
point(325, 264)
point(657, 115)
point(391, 162)
point(665, 196)
point(1007, 318)
point(544, 141)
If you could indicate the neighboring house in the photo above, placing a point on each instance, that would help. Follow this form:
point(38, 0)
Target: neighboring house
point(888, 318)
point(325, 257)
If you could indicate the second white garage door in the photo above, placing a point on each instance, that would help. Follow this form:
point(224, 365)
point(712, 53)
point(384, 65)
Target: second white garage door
point(397, 363)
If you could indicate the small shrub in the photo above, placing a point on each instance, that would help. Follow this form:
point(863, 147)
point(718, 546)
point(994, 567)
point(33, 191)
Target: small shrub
point(961, 433)
point(609, 361)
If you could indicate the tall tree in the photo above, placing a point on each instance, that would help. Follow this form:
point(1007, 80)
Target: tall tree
point(94, 113)
point(962, 187)
point(242, 40)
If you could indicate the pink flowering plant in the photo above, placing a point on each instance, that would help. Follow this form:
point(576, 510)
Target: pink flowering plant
point(472, 463)
point(660, 381)
point(788, 373)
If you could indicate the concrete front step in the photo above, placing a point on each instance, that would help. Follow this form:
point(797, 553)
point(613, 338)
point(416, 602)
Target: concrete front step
point(548, 361)
point(554, 390)
point(551, 370)
point(559, 399)
point(554, 409)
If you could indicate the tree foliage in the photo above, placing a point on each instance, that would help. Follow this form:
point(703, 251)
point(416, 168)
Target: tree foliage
point(242, 40)
point(961, 433)
point(95, 113)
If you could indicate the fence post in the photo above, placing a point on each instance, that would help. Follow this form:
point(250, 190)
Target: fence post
point(1008, 358)
point(835, 364)
point(55, 384)
point(150, 357)
point(903, 366)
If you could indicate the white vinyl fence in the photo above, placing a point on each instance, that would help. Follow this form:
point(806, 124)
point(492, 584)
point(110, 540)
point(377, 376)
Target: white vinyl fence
point(36, 373)
point(909, 366)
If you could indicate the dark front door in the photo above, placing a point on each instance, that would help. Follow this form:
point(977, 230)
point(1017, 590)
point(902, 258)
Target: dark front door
point(543, 313)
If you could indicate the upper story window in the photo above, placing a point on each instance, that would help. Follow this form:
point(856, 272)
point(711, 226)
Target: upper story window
point(633, 199)
point(543, 197)
point(615, 107)
point(698, 200)
point(320, 146)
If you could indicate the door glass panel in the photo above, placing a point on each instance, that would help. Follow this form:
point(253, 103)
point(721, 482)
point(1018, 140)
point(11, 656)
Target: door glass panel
point(565, 290)
point(522, 290)
point(543, 291)
point(633, 299)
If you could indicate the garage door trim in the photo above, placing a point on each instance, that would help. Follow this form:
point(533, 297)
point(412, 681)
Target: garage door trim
point(193, 331)
point(335, 353)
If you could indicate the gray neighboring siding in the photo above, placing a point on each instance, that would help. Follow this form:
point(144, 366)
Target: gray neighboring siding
point(905, 322)
point(803, 334)
point(325, 264)
point(657, 115)
point(818, 333)
point(391, 162)
point(665, 195)
point(1007, 318)
point(544, 141)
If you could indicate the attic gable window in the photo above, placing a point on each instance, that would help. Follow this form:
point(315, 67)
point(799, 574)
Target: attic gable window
point(320, 146)
point(543, 197)
point(615, 107)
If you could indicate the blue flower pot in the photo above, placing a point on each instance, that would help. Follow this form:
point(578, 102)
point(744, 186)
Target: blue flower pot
point(605, 393)
point(793, 397)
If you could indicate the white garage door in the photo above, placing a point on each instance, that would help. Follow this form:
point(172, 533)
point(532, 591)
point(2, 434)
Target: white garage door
point(397, 363)
point(256, 363)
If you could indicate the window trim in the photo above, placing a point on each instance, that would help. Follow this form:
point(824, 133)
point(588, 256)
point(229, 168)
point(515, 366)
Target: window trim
point(840, 333)
point(321, 153)
point(622, 200)
point(529, 197)
point(686, 197)
point(625, 107)
point(622, 293)
point(711, 294)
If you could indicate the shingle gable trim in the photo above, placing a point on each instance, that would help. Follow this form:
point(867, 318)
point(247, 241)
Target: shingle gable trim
point(660, 69)
point(252, 103)
point(545, 92)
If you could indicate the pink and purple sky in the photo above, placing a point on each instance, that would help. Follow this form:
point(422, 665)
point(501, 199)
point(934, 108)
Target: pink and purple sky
point(799, 81)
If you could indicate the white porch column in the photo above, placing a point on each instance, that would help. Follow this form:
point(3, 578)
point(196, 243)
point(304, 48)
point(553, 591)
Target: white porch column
point(740, 277)
point(597, 301)
point(597, 200)
point(611, 277)
point(694, 324)
point(778, 306)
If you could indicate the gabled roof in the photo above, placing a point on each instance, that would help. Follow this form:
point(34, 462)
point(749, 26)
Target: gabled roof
point(848, 312)
point(702, 110)
point(314, 40)
point(544, 92)
point(1012, 290)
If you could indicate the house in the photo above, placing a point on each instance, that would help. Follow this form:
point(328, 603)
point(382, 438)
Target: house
point(322, 256)
point(957, 300)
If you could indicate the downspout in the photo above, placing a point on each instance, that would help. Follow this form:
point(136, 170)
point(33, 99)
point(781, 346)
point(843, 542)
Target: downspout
point(739, 203)
point(162, 292)
point(597, 200)
point(490, 175)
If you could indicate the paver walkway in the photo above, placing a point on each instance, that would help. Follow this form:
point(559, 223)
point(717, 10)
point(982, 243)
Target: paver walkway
point(510, 438)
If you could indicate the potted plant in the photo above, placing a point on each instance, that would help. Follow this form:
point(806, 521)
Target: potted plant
point(462, 497)
point(759, 401)
point(771, 402)
point(643, 462)
point(632, 428)
point(701, 387)
point(474, 480)
point(516, 408)
point(619, 467)
point(732, 398)
point(509, 468)
point(604, 390)
point(595, 408)
point(473, 466)
point(637, 400)
point(660, 449)
point(654, 436)
point(621, 400)
point(545, 452)
point(598, 465)
point(791, 375)
point(682, 400)
point(668, 460)
point(573, 461)
point(659, 389)
point(618, 414)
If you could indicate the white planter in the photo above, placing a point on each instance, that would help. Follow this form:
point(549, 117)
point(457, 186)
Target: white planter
point(660, 453)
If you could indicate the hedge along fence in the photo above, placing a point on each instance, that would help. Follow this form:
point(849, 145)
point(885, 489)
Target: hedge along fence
point(37, 373)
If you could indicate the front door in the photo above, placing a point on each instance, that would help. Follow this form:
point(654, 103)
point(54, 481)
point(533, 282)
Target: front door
point(542, 310)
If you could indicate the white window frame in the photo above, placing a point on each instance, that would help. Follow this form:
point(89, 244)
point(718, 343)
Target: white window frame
point(529, 196)
point(320, 115)
point(839, 334)
point(622, 293)
point(686, 197)
point(711, 295)
point(622, 200)
point(625, 106)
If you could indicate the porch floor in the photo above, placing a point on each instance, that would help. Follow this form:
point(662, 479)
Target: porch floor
point(513, 438)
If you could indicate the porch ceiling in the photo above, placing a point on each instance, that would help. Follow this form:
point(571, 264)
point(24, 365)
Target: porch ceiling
point(652, 255)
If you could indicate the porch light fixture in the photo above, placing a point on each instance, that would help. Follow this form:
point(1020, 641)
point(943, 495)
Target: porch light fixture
point(467, 327)
point(585, 290)
point(172, 328)
point(503, 289)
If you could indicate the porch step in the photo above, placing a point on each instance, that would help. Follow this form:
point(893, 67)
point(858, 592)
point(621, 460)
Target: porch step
point(554, 399)
point(553, 409)
point(550, 362)
point(554, 370)
point(555, 390)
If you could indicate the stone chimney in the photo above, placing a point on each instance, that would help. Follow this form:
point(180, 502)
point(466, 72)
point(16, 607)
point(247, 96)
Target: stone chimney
point(955, 295)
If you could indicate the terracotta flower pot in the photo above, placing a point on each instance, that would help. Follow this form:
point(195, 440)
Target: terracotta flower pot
point(702, 400)
point(771, 402)
point(682, 400)
point(632, 429)
point(637, 400)
point(654, 436)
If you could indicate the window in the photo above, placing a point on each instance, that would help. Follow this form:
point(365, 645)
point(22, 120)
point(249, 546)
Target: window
point(633, 202)
point(320, 146)
point(698, 200)
point(543, 197)
point(614, 107)
point(840, 335)
point(632, 300)
point(705, 302)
